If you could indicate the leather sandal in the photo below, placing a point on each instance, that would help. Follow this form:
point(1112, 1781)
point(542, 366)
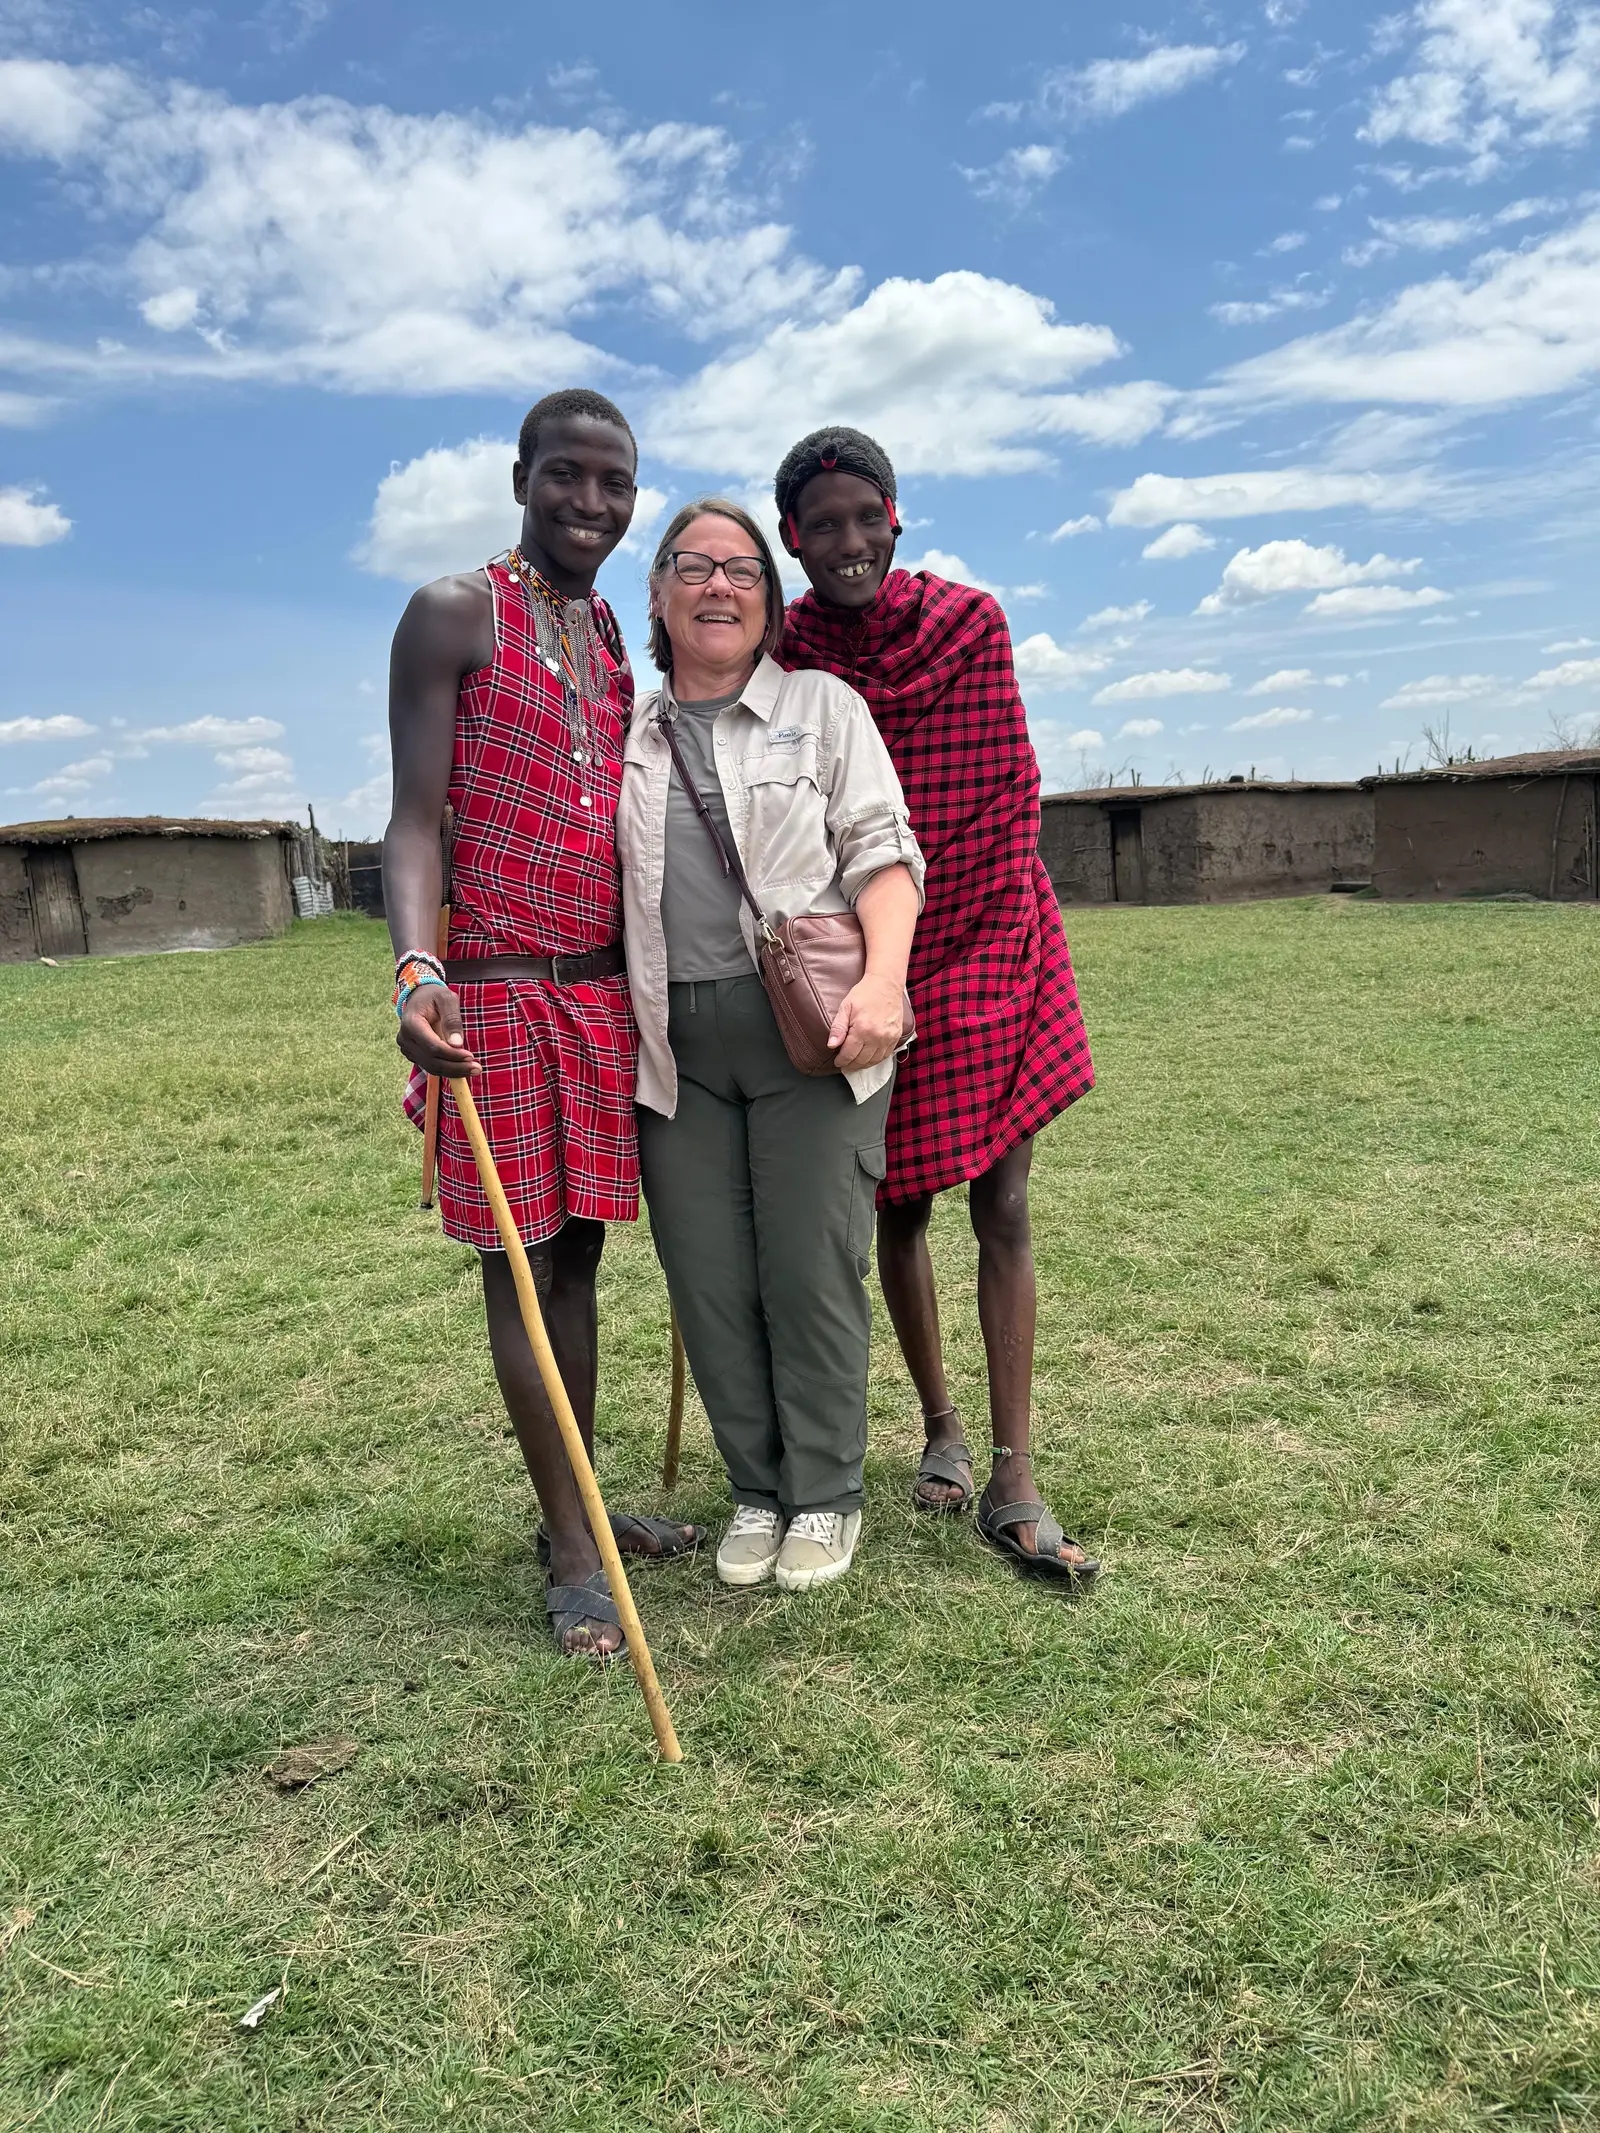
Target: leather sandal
point(666, 1532)
point(953, 1465)
point(570, 1607)
point(995, 1523)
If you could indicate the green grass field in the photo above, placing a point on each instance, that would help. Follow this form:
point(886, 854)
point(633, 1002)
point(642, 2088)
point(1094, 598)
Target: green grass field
point(1293, 1825)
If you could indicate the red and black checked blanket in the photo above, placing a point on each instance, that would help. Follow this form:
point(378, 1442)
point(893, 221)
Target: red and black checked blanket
point(1001, 1048)
point(534, 872)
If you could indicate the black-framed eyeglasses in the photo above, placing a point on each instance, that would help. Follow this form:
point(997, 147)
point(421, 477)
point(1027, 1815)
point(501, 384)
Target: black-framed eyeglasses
point(743, 571)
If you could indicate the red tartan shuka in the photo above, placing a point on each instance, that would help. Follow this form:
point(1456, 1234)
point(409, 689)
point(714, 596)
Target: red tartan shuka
point(1001, 1047)
point(534, 872)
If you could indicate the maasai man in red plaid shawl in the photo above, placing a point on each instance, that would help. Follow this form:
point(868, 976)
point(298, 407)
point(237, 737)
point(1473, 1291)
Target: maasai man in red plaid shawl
point(509, 696)
point(1000, 1047)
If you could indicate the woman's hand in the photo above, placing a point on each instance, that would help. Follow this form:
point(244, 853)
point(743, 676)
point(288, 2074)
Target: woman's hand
point(869, 1022)
point(430, 1033)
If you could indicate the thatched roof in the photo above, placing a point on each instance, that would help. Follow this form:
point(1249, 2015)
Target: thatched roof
point(69, 830)
point(1542, 763)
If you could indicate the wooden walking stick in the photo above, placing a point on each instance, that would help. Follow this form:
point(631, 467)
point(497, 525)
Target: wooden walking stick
point(430, 1115)
point(567, 1423)
point(669, 1461)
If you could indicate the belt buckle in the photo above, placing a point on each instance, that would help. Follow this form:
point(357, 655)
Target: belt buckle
point(556, 974)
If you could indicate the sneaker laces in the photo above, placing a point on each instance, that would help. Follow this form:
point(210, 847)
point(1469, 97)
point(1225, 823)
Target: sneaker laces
point(752, 1518)
point(823, 1527)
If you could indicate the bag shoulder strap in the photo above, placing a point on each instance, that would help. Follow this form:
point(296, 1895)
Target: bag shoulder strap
point(732, 866)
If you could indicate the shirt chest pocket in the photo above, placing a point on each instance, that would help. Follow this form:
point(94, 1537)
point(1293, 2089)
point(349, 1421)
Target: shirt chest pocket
point(790, 763)
point(788, 823)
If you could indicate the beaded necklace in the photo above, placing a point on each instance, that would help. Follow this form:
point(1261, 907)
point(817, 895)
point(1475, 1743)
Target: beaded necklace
point(569, 648)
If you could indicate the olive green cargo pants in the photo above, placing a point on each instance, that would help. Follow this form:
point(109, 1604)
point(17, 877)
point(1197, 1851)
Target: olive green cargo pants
point(762, 1193)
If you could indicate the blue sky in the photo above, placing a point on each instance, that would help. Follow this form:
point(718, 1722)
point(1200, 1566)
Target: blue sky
point(1249, 352)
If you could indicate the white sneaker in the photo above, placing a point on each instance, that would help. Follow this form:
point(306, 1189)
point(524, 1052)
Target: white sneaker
point(819, 1546)
point(749, 1548)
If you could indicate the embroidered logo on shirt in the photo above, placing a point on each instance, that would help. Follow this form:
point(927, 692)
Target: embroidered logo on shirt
point(789, 737)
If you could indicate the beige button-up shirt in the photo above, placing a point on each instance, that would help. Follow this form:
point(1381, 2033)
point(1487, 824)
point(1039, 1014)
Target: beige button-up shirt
point(815, 808)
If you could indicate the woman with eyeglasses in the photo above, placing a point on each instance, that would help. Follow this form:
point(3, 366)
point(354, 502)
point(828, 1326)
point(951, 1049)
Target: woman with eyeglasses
point(761, 1180)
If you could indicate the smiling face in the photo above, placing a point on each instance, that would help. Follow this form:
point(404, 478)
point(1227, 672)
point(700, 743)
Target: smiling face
point(577, 498)
point(716, 628)
point(845, 537)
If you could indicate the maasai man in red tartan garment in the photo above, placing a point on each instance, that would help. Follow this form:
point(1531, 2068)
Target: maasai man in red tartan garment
point(509, 695)
point(1000, 1047)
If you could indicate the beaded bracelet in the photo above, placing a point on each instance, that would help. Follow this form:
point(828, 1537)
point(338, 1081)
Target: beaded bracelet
point(418, 955)
point(414, 972)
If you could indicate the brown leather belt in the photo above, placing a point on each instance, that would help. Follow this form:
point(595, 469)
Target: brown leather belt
point(584, 969)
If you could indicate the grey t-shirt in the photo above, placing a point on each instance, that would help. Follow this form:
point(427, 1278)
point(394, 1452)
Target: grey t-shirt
point(699, 905)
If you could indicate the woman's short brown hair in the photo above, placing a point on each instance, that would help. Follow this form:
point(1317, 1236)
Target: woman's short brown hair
point(659, 643)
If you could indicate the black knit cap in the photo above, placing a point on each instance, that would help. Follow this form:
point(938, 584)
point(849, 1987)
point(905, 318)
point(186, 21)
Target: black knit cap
point(835, 450)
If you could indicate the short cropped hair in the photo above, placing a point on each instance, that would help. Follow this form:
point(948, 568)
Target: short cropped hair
point(659, 643)
point(836, 449)
point(575, 400)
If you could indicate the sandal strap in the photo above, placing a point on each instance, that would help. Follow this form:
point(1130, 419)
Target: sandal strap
point(1049, 1535)
point(1000, 1518)
point(667, 1535)
point(947, 1466)
point(569, 1606)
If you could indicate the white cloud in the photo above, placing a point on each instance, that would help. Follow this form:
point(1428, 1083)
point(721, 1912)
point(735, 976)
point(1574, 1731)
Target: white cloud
point(1295, 678)
point(1018, 176)
point(1294, 566)
point(255, 761)
point(1086, 737)
point(1436, 233)
point(20, 411)
point(25, 523)
point(1570, 644)
point(1280, 715)
point(1251, 312)
point(214, 732)
point(1571, 674)
point(1042, 664)
point(1163, 681)
point(62, 727)
point(452, 508)
point(939, 563)
point(1070, 528)
point(1107, 88)
point(1110, 618)
point(1178, 541)
point(1514, 326)
point(377, 250)
point(1288, 241)
point(959, 375)
point(1432, 690)
point(1154, 498)
point(1138, 729)
point(1374, 600)
point(1488, 74)
point(69, 779)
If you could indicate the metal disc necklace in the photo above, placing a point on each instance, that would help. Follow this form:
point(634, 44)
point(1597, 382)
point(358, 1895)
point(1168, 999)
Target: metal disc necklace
point(569, 649)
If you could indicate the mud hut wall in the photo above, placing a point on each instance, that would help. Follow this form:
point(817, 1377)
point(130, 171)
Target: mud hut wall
point(17, 943)
point(145, 895)
point(1075, 845)
point(1486, 837)
point(1255, 843)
